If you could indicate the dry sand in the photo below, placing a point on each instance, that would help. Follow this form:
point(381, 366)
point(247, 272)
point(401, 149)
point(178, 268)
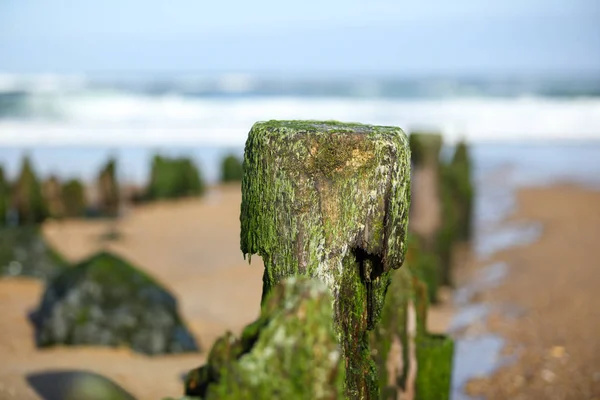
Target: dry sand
point(191, 246)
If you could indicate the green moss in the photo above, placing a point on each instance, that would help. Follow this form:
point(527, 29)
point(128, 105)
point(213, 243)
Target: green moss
point(425, 265)
point(435, 355)
point(73, 198)
point(330, 200)
point(25, 252)
point(425, 148)
point(4, 197)
point(27, 196)
point(290, 352)
point(108, 189)
point(448, 233)
point(231, 169)
point(105, 300)
point(174, 178)
point(393, 326)
point(462, 189)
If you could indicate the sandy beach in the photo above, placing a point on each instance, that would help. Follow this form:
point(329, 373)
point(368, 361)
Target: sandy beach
point(192, 247)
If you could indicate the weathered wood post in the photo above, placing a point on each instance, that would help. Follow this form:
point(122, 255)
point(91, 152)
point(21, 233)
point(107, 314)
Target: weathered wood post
point(330, 200)
point(427, 213)
point(463, 189)
point(425, 217)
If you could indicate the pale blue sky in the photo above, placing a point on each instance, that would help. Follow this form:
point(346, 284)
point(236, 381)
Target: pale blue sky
point(380, 36)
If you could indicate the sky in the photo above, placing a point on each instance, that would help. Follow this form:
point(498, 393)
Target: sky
point(336, 36)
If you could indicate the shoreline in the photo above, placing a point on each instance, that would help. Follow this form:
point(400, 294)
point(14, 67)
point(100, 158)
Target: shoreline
point(542, 309)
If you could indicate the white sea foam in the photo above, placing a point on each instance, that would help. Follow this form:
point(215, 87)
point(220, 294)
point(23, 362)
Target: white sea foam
point(113, 119)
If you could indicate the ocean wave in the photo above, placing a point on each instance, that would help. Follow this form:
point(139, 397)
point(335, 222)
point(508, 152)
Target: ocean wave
point(109, 118)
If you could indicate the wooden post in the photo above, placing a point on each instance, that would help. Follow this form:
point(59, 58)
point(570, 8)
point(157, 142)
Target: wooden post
point(425, 218)
point(330, 200)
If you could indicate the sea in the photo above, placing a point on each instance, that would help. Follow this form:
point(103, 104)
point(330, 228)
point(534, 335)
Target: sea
point(71, 124)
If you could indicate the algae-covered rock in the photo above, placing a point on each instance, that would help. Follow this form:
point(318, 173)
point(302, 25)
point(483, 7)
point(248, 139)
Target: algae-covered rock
point(27, 196)
point(231, 169)
point(173, 178)
point(106, 301)
point(25, 252)
point(330, 200)
point(290, 352)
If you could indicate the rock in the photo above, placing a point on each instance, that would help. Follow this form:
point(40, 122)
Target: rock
point(25, 252)
point(330, 200)
point(290, 352)
point(106, 301)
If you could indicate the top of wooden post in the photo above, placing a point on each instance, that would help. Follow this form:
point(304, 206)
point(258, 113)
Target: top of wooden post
point(316, 191)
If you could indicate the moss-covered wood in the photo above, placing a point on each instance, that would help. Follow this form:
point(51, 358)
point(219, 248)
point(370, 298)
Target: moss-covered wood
point(290, 352)
point(27, 197)
point(435, 354)
point(4, 197)
point(393, 326)
point(463, 189)
point(173, 178)
point(425, 148)
point(73, 198)
point(52, 192)
point(231, 169)
point(425, 265)
point(108, 189)
point(330, 200)
point(425, 213)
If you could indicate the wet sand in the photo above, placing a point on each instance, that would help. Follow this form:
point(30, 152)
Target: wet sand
point(552, 290)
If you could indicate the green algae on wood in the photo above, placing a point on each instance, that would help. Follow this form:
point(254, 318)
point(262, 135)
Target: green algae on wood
point(4, 197)
point(330, 200)
point(108, 189)
point(463, 188)
point(27, 197)
point(425, 265)
point(425, 147)
point(393, 327)
point(435, 354)
point(290, 352)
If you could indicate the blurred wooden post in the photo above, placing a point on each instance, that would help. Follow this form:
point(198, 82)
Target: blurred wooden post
point(330, 200)
point(425, 218)
point(463, 189)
